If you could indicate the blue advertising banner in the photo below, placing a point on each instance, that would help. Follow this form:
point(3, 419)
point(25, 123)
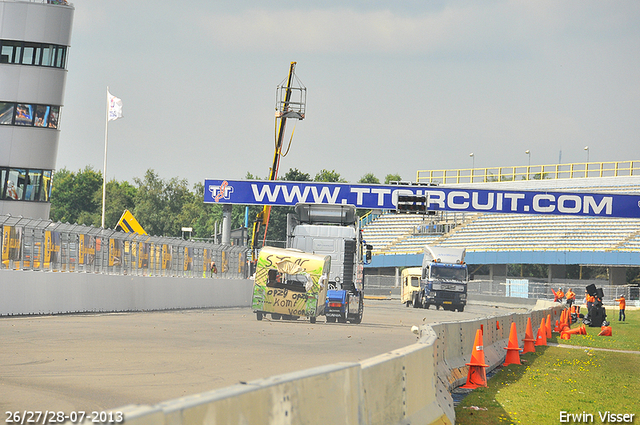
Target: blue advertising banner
point(376, 196)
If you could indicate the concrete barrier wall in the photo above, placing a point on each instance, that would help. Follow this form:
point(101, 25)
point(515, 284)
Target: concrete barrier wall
point(34, 292)
point(328, 392)
point(406, 386)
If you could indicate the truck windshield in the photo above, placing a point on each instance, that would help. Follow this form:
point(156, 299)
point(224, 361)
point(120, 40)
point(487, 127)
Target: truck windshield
point(449, 273)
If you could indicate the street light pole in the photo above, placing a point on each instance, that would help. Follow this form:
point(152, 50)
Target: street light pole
point(586, 166)
point(473, 165)
point(528, 152)
point(586, 148)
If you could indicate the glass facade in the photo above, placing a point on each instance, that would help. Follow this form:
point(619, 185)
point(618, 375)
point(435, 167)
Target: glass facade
point(25, 184)
point(27, 114)
point(35, 54)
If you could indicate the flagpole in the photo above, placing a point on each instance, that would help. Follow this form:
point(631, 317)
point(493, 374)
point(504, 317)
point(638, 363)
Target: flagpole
point(104, 168)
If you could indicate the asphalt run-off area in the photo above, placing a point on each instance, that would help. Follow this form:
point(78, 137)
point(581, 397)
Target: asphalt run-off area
point(85, 362)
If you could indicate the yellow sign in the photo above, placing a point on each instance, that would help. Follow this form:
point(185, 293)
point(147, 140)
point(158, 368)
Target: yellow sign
point(115, 252)
point(188, 258)
point(11, 241)
point(166, 256)
point(87, 250)
point(51, 249)
point(129, 224)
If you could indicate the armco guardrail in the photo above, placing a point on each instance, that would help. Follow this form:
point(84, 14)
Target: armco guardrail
point(409, 385)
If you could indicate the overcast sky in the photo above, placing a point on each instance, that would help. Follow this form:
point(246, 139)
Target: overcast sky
point(393, 87)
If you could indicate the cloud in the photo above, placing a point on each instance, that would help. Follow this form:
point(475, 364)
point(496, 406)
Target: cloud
point(343, 30)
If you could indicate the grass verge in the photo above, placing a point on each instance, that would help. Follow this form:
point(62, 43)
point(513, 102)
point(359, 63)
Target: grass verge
point(557, 379)
point(625, 335)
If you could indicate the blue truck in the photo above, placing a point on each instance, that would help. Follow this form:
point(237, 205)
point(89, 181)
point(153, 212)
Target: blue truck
point(444, 279)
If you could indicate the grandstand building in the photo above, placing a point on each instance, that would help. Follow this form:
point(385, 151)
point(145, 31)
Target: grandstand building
point(497, 240)
point(34, 48)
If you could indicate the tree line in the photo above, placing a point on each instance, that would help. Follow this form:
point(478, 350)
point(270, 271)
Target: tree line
point(164, 206)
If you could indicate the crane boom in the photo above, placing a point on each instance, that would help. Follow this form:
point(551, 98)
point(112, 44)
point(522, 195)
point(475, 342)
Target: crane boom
point(286, 107)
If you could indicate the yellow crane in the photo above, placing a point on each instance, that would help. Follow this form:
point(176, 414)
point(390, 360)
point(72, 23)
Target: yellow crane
point(291, 98)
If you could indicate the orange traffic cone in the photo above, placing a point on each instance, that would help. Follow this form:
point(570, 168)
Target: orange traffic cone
point(513, 351)
point(565, 323)
point(541, 338)
point(583, 330)
point(477, 376)
point(556, 328)
point(577, 331)
point(529, 340)
point(548, 323)
point(605, 331)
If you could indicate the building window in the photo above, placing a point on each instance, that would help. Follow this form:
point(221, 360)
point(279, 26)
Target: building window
point(26, 114)
point(6, 113)
point(46, 186)
point(15, 184)
point(20, 184)
point(35, 54)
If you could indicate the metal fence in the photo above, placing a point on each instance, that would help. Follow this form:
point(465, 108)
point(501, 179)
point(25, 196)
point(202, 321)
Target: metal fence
point(526, 288)
point(530, 172)
point(43, 245)
point(520, 288)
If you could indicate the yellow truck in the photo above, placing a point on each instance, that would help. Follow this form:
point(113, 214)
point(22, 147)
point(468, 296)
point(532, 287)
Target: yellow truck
point(290, 283)
point(410, 284)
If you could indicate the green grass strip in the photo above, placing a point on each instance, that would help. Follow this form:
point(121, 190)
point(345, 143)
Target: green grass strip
point(625, 335)
point(582, 382)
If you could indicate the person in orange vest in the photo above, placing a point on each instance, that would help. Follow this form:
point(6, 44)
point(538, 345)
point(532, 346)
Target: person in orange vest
point(571, 297)
point(559, 295)
point(622, 317)
point(590, 299)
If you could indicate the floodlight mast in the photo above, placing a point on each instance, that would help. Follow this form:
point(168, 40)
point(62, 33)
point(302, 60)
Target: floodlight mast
point(286, 107)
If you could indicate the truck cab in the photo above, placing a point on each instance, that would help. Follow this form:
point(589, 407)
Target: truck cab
point(410, 278)
point(444, 279)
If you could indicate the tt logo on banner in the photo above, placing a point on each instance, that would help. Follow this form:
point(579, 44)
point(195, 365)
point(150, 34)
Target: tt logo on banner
point(222, 192)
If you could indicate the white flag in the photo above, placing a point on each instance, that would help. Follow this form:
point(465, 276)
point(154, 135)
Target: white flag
point(115, 107)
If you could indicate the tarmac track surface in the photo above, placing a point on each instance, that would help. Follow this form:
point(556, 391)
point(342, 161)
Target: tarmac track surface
point(105, 361)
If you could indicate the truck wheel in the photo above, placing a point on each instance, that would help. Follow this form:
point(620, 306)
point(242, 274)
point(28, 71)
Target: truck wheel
point(461, 308)
point(312, 319)
point(275, 316)
point(358, 318)
point(259, 316)
point(408, 303)
point(416, 300)
point(331, 319)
